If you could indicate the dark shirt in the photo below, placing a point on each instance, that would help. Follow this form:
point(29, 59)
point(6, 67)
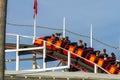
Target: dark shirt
point(67, 42)
point(56, 38)
point(102, 55)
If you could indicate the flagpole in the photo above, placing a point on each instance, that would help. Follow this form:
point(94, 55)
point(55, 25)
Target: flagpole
point(34, 28)
point(91, 35)
point(35, 16)
point(64, 27)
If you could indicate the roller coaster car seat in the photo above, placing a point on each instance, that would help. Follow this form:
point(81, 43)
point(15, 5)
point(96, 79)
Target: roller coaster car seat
point(119, 72)
point(57, 45)
point(100, 62)
point(88, 54)
point(46, 37)
point(79, 52)
point(91, 59)
point(108, 63)
point(112, 69)
point(86, 51)
point(39, 41)
point(70, 47)
point(73, 43)
point(72, 50)
point(89, 49)
point(49, 43)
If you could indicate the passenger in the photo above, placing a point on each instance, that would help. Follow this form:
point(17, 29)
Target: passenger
point(97, 53)
point(59, 35)
point(80, 44)
point(67, 41)
point(62, 39)
point(118, 68)
point(85, 46)
point(103, 53)
point(109, 60)
point(112, 58)
point(116, 62)
point(53, 37)
point(56, 37)
point(63, 42)
point(105, 57)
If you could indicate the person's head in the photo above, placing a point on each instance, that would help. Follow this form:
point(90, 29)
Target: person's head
point(66, 37)
point(62, 39)
point(56, 34)
point(59, 34)
point(53, 35)
point(103, 51)
point(80, 41)
point(112, 55)
point(97, 53)
point(85, 44)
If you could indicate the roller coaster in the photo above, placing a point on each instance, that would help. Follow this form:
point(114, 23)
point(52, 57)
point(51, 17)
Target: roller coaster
point(73, 57)
point(85, 56)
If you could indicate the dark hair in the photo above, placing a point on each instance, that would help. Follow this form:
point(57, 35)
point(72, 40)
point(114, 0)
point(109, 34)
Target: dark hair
point(53, 35)
point(80, 41)
point(85, 44)
point(67, 37)
point(113, 54)
point(104, 50)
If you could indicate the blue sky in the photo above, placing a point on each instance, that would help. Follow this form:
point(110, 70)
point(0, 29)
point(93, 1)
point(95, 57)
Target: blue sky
point(103, 14)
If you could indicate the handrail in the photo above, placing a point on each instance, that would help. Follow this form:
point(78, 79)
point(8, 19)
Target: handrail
point(9, 34)
point(20, 49)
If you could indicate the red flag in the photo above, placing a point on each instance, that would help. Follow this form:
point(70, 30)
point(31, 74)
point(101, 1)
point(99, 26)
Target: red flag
point(35, 8)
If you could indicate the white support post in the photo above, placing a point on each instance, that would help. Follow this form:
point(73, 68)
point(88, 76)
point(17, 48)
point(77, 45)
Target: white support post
point(44, 55)
point(91, 35)
point(34, 28)
point(34, 61)
point(17, 53)
point(69, 59)
point(95, 68)
point(64, 27)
